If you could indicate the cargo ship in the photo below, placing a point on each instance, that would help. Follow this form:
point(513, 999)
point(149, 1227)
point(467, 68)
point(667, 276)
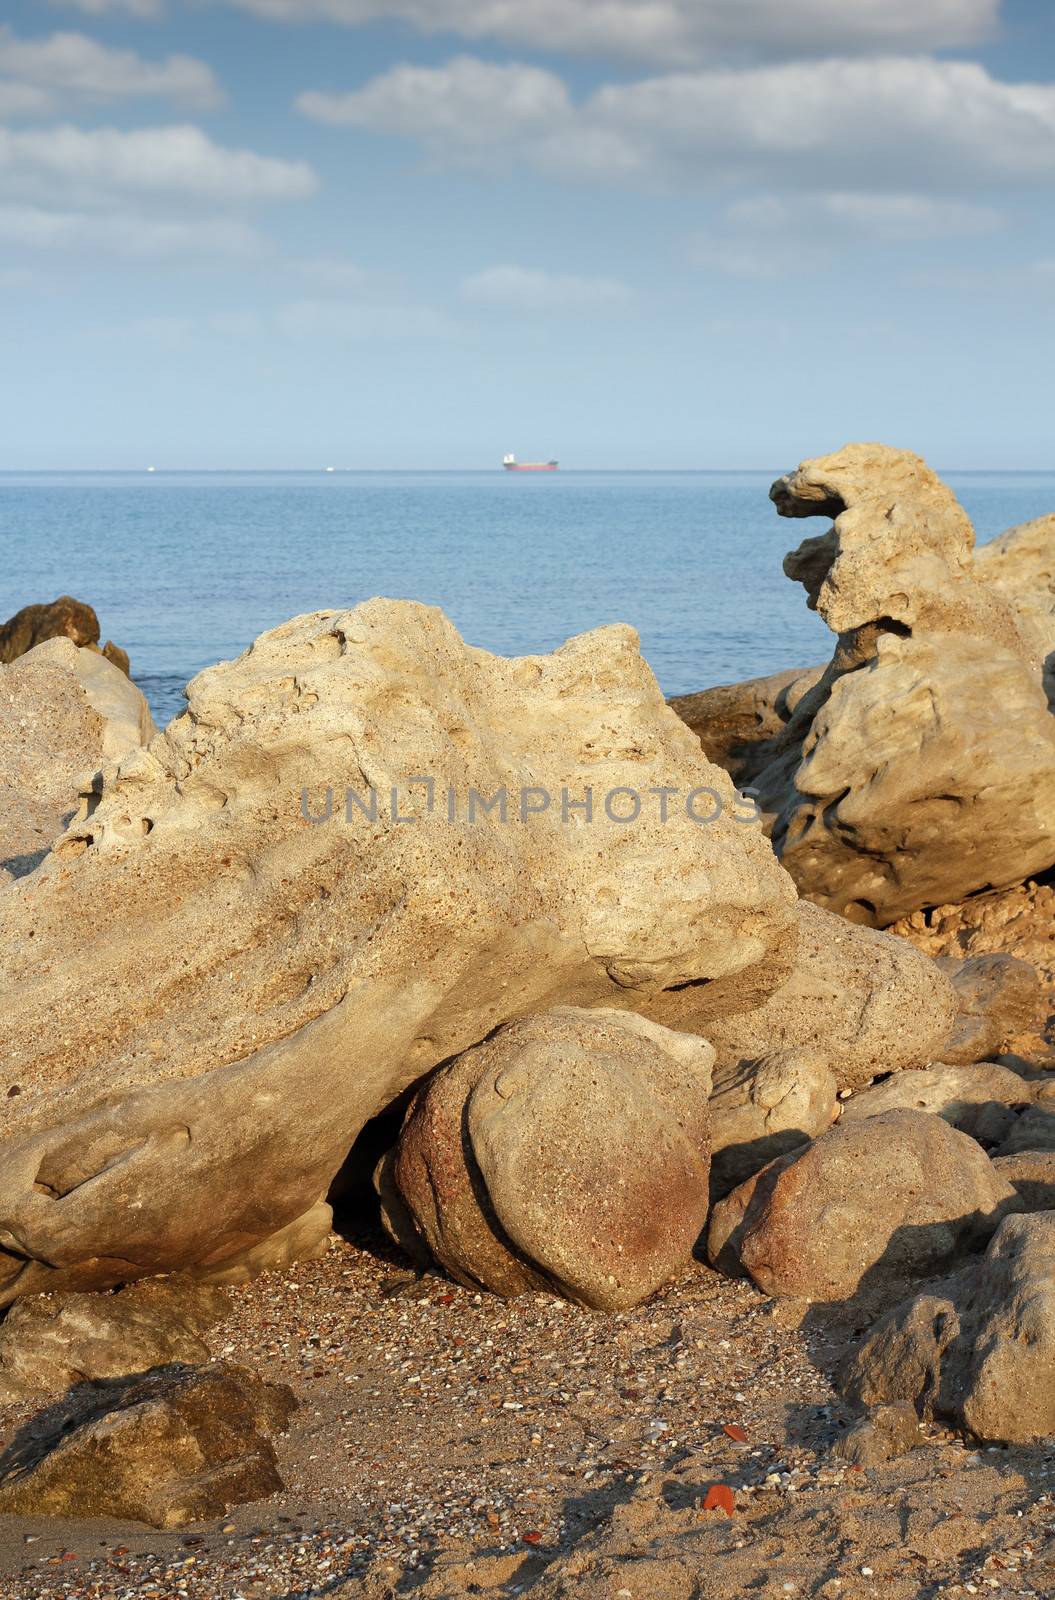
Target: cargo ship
point(511, 464)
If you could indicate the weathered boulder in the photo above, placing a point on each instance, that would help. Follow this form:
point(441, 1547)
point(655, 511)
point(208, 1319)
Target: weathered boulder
point(48, 1342)
point(64, 618)
point(1020, 564)
point(919, 766)
point(977, 1351)
point(872, 1202)
point(862, 999)
point(1031, 1173)
point(177, 1445)
point(982, 1099)
point(735, 722)
point(64, 714)
point(1033, 1129)
point(998, 997)
point(762, 1109)
point(266, 983)
point(884, 1432)
point(569, 1152)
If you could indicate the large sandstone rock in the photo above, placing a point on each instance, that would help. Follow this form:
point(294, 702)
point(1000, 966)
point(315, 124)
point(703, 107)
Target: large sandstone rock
point(177, 1445)
point(569, 1153)
point(998, 999)
point(1021, 565)
point(862, 999)
point(762, 1109)
point(920, 766)
point(48, 1342)
point(978, 1350)
point(65, 713)
point(891, 1197)
point(982, 1099)
point(207, 994)
point(734, 722)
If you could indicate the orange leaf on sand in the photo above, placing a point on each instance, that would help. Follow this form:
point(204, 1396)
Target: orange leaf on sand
point(720, 1498)
point(734, 1430)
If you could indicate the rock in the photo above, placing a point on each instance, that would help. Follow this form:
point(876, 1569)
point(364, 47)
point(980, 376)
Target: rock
point(862, 999)
point(884, 1432)
point(269, 984)
point(1020, 564)
point(977, 1351)
point(869, 1203)
point(920, 766)
point(762, 1109)
point(1019, 921)
point(64, 713)
point(306, 1238)
point(48, 1342)
point(999, 998)
point(1033, 1130)
point(981, 1100)
point(736, 722)
point(1031, 1173)
point(569, 1153)
point(177, 1445)
point(64, 618)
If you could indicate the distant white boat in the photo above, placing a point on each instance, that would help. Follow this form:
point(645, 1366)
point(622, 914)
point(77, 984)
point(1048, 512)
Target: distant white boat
point(152, 469)
point(331, 469)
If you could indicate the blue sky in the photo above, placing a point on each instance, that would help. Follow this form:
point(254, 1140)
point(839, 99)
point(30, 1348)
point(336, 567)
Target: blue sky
point(695, 233)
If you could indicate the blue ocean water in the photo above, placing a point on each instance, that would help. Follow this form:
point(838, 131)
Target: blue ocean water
point(186, 569)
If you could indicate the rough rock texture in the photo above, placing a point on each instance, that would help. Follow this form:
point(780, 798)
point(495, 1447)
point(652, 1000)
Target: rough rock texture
point(1031, 1173)
point(48, 1342)
point(1033, 1130)
point(982, 1099)
point(569, 1152)
point(178, 1445)
point(306, 1238)
point(999, 998)
point(920, 766)
point(978, 1350)
point(735, 721)
point(266, 984)
point(762, 1109)
point(1019, 921)
point(861, 998)
point(64, 618)
point(1021, 565)
point(885, 1432)
point(809, 1226)
point(64, 713)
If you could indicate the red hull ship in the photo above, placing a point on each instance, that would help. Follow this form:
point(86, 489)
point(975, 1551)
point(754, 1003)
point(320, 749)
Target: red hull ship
point(511, 464)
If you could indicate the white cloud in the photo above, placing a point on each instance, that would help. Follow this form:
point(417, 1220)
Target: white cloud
point(771, 236)
point(127, 234)
point(671, 32)
point(461, 110)
point(23, 100)
point(510, 288)
point(179, 160)
point(70, 66)
point(103, 8)
point(893, 124)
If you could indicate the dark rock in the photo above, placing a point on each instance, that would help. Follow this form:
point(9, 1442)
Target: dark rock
point(178, 1445)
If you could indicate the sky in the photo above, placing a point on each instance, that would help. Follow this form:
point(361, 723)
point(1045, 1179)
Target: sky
point(717, 234)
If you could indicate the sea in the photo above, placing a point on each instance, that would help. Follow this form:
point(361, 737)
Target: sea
point(187, 568)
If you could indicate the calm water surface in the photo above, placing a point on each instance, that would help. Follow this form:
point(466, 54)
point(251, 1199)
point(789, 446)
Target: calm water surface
point(186, 569)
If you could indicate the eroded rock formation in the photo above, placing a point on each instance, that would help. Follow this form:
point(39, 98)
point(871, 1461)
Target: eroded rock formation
point(64, 618)
point(919, 767)
point(232, 990)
